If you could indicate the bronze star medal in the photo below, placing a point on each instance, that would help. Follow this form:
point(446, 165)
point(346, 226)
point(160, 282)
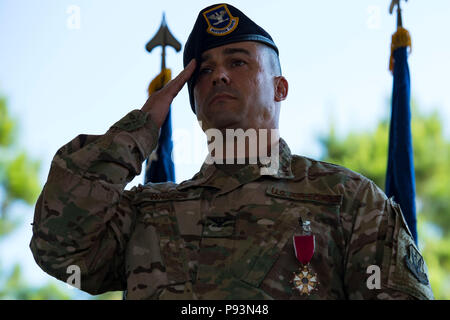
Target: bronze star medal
point(305, 280)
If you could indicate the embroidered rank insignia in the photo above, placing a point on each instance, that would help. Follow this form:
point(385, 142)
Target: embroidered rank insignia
point(220, 21)
point(415, 264)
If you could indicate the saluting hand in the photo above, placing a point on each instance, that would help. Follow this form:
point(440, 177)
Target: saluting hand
point(157, 105)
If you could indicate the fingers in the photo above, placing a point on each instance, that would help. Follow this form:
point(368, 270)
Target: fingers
point(157, 105)
point(174, 86)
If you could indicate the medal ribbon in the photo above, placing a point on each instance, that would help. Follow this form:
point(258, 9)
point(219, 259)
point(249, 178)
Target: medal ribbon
point(304, 248)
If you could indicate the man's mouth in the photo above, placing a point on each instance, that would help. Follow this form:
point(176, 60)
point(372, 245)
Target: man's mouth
point(221, 96)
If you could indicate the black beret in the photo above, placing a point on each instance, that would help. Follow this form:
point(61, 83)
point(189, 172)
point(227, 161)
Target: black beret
point(216, 26)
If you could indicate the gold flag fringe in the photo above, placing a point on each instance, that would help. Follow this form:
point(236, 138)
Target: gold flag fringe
point(160, 81)
point(400, 38)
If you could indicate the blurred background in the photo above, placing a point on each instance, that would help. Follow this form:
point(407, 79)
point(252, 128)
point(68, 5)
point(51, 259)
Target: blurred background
point(71, 66)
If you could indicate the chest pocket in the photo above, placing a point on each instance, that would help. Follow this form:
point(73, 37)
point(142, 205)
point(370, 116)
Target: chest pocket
point(156, 252)
point(264, 253)
point(161, 219)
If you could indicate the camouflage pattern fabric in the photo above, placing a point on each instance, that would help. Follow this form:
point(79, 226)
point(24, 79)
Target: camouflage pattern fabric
point(224, 234)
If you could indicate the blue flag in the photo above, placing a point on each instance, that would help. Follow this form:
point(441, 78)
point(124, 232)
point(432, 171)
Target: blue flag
point(161, 169)
point(400, 178)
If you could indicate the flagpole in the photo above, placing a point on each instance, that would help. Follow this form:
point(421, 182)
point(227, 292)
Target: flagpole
point(399, 16)
point(159, 166)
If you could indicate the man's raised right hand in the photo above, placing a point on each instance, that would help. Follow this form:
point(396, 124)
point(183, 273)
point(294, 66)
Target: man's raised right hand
point(157, 105)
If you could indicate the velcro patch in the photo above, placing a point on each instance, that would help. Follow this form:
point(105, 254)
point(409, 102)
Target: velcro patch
point(414, 262)
point(313, 197)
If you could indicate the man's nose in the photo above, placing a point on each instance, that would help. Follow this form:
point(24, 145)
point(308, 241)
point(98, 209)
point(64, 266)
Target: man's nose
point(220, 77)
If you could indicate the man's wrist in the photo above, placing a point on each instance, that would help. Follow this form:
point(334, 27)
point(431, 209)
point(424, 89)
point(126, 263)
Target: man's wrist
point(132, 121)
point(141, 127)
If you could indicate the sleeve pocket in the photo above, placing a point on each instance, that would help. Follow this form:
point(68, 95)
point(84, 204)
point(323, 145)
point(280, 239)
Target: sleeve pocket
point(408, 271)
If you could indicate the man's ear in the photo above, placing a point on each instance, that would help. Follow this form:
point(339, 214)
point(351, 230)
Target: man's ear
point(281, 88)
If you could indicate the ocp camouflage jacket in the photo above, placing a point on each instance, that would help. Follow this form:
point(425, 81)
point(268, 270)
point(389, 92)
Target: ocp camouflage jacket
point(224, 234)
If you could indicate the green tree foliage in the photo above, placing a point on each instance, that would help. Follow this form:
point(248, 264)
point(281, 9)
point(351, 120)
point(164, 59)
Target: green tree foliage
point(13, 286)
point(19, 179)
point(18, 182)
point(366, 153)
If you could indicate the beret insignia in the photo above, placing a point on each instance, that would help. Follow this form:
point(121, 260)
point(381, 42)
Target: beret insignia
point(220, 20)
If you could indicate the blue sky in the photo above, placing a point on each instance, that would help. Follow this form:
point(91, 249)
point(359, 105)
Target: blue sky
point(62, 79)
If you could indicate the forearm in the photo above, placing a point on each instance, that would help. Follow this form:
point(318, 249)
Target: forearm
point(115, 157)
point(83, 215)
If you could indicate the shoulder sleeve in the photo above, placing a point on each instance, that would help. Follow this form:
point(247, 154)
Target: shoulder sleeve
point(382, 261)
point(83, 216)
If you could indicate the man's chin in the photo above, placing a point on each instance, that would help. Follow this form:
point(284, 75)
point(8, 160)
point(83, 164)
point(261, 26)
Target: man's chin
point(224, 117)
point(222, 105)
point(225, 121)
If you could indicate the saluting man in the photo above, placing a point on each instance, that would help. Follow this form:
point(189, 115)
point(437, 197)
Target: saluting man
point(305, 229)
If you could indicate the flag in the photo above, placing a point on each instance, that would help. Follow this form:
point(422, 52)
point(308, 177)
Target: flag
point(160, 167)
point(400, 178)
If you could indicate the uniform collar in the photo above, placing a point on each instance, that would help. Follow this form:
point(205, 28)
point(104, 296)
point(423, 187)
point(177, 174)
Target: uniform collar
point(211, 176)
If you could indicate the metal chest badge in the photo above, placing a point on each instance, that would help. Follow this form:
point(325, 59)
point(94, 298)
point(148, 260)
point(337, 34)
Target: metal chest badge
point(305, 280)
point(220, 21)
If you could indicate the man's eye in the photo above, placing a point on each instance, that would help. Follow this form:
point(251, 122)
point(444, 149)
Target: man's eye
point(237, 63)
point(204, 70)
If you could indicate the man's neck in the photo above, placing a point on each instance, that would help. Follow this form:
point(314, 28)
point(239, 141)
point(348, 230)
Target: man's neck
point(252, 146)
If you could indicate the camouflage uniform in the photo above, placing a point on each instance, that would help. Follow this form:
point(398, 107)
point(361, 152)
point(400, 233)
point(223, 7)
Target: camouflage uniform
point(224, 234)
